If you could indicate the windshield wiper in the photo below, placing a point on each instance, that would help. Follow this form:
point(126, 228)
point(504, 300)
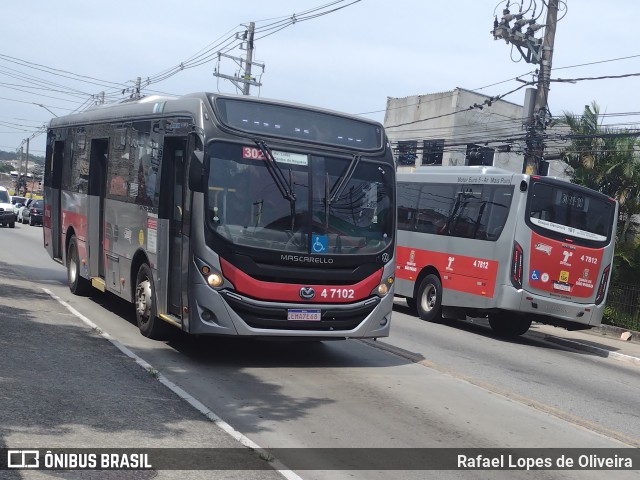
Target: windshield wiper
point(332, 195)
point(284, 186)
point(344, 179)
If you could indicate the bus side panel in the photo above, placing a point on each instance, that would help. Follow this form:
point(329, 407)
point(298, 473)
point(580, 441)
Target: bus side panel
point(74, 219)
point(461, 273)
point(161, 259)
point(51, 204)
point(127, 231)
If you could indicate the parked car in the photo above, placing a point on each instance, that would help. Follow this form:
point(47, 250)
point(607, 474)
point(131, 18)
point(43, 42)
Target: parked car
point(7, 217)
point(19, 216)
point(33, 212)
point(18, 199)
point(16, 209)
point(17, 202)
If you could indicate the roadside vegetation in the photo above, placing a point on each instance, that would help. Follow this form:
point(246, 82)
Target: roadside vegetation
point(608, 160)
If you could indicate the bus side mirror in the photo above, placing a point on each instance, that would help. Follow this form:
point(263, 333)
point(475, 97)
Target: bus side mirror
point(196, 171)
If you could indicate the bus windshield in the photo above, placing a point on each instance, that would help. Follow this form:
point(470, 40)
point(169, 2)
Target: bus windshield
point(246, 206)
point(567, 211)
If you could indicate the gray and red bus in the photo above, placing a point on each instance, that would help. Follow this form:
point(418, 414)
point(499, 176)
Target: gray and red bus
point(486, 242)
point(226, 215)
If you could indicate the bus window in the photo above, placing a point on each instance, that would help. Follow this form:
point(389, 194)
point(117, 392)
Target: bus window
point(434, 208)
point(564, 211)
point(408, 195)
point(480, 211)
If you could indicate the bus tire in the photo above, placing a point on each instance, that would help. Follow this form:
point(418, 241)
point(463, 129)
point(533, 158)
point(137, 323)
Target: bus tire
point(12, 225)
point(77, 284)
point(509, 324)
point(429, 300)
point(412, 304)
point(146, 309)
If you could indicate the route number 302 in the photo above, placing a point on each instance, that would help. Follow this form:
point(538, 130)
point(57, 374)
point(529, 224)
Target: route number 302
point(338, 293)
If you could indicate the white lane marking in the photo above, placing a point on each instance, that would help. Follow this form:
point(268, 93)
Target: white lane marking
point(191, 400)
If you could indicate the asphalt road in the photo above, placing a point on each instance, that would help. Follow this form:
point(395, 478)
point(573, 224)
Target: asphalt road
point(443, 385)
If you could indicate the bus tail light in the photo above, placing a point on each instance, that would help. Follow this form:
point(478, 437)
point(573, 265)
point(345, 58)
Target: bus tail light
point(603, 285)
point(517, 260)
point(384, 287)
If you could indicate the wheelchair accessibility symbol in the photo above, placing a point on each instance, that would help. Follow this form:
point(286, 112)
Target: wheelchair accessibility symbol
point(318, 243)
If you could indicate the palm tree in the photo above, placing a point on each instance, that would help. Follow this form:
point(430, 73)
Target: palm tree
point(608, 161)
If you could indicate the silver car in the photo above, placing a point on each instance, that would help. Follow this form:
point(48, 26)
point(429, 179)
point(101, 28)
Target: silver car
point(7, 217)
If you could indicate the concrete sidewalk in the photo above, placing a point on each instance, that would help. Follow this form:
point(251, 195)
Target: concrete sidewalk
point(604, 341)
point(63, 385)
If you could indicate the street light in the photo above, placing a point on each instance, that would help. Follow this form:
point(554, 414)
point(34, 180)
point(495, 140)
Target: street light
point(40, 105)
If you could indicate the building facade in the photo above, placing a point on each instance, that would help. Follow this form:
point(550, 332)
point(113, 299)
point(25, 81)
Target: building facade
point(457, 127)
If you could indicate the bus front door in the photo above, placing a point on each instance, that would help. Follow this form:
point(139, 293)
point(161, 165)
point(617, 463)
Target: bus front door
point(54, 222)
point(173, 170)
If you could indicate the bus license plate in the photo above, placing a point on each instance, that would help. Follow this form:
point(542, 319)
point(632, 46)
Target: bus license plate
point(303, 314)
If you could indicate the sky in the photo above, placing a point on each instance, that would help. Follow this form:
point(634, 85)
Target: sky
point(348, 60)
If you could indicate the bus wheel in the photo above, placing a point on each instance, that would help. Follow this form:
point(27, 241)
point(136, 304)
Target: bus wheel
point(412, 304)
point(77, 284)
point(429, 301)
point(146, 311)
point(509, 324)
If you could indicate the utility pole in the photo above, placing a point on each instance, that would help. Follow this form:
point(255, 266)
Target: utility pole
point(26, 168)
point(247, 70)
point(533, 52)
point(244, 81)
point(534, 160)
point(18, 180)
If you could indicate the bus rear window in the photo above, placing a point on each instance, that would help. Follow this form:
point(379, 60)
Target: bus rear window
point(298, 124)
point(570, 212)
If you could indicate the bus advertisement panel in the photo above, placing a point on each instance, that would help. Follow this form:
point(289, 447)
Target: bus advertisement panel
point(480, 241)
point(227, 215)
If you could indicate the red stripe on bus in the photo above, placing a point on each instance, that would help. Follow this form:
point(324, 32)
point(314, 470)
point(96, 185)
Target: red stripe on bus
point(473, 275)
point(290, 292)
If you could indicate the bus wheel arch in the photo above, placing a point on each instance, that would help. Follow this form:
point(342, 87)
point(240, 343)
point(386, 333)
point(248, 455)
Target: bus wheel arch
point(428, 295)
point(138, 259)
point(77, 283)
point(145, 300)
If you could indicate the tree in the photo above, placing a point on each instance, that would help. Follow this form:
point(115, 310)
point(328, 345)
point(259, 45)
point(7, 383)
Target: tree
point(608, 161)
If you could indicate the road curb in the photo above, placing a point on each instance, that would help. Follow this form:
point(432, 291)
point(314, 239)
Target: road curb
point(615, 331)
point(602, 352)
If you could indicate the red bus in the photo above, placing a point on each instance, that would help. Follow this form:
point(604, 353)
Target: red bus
point(226, 215)
point(485, 242)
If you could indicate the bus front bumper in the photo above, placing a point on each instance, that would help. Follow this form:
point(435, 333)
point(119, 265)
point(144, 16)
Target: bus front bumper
point(227, 313)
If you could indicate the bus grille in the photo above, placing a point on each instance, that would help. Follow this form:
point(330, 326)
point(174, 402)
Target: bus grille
point(275, 318)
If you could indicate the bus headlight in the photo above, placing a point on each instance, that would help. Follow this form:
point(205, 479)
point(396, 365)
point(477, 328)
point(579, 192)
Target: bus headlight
point(213, 277)
point(384, 287)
